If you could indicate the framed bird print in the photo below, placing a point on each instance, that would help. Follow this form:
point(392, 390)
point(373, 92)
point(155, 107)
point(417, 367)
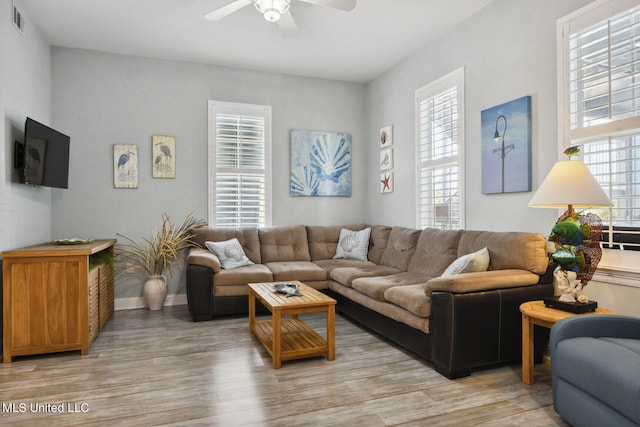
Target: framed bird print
point(164, 156)
point(125, 166)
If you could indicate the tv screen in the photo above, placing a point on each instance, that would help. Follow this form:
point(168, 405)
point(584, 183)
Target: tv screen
point(46, 156)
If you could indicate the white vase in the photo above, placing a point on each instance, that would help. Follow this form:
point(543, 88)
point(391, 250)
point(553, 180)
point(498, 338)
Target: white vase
point(154, 292)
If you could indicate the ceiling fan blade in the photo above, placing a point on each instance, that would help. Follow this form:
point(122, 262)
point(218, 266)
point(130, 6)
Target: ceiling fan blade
point(220, 13)
point(347, 5)
point(287, 25)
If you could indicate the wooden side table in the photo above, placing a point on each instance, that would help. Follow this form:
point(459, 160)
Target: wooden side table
point(536, 313)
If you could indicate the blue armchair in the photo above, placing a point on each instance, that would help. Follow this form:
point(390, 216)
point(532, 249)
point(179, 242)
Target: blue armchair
point(595, 370)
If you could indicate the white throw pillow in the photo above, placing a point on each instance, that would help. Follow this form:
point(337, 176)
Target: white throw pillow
point(353, 244)
point(473, 262)
point(230, 253)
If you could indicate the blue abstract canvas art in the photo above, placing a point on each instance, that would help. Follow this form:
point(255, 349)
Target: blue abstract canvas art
point(506, 147)
point(320, 163)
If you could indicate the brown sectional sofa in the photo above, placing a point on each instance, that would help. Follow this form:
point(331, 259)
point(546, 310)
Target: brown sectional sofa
point(459, 322)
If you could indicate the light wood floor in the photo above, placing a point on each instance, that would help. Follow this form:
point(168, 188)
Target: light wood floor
point(159, 368)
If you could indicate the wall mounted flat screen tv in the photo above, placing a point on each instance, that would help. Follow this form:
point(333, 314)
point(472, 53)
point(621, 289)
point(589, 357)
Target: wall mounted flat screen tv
point(43, 158)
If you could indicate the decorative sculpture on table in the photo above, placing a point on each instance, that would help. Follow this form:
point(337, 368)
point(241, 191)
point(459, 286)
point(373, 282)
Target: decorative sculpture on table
point(568, 284)
point(576, 237)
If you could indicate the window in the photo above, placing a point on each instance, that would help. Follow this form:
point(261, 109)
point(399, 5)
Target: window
point(599, 107)
point(439, 153)
point(239, 165)
point(615, 162)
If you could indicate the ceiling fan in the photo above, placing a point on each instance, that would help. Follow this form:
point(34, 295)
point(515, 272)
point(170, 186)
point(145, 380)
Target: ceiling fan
point(277, 11)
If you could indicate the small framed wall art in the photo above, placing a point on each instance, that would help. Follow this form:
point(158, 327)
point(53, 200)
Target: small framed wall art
point(164, 156)
point(386, 136)
point(386, 182)
point(125, 166)
point(386, 159)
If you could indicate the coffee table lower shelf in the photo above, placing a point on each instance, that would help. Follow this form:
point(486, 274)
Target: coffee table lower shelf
point(297, 340)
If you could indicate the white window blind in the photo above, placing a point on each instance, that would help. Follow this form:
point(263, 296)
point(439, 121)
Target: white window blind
point(604, 71)
point(239, 150)
point(600, 107)
point(615, 163)
point(439, 146)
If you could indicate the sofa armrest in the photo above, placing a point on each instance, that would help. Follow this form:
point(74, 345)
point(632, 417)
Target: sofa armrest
point(474, 329)
point(200, 292)
point(482, 281)
point(595, 325)
point(204, 257)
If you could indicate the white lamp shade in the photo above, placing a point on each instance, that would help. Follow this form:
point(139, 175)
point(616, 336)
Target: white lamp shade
point(570, 183)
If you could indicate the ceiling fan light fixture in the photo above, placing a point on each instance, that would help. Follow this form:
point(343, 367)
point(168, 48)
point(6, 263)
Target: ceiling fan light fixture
point(272, 9)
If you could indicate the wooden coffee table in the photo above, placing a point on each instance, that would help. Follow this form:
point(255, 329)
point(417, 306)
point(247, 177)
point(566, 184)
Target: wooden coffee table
point(536, 313)
point(288, 338)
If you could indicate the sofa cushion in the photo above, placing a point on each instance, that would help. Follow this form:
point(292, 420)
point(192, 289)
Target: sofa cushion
point(242, 275)
point(435, 250)
point(330, 264)
point(248, 238)
point(391, 311)
point(482, 281)
point(353, 244)
point(375, 287)
point(346, 275)
point(286, 243)
point(296, 270)
point(410, 297)
point(508, 250)
point(230, 253)
point(379, 239)
point(400, 247)
point(470, 263)
point(323, 240)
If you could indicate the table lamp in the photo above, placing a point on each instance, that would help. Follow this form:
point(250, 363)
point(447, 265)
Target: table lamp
point(575, 235)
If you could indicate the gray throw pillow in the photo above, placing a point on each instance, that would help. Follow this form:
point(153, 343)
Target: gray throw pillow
point(230, 253)
point(473, 262)
point(353, 244)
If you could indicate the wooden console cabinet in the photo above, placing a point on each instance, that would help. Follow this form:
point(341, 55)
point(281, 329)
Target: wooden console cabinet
point(56, 297)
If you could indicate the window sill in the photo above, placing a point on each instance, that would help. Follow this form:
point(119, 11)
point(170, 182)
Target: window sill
point(619, 268)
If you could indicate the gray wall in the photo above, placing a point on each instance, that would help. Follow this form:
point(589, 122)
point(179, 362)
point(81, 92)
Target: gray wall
point(508, 50)
point(104, 99)
point(25, 89)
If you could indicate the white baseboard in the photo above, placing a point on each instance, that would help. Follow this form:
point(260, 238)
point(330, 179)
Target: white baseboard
point(138, 302)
